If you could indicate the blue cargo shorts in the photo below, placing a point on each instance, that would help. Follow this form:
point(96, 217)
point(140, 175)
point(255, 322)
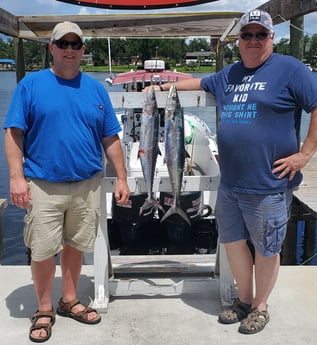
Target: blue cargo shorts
point(260, 218)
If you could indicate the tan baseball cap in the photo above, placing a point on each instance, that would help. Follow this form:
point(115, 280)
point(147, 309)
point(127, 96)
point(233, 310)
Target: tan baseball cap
point(64, 28)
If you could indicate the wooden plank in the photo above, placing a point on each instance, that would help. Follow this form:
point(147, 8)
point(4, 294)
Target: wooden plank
point(307, 191)
point(130, 100)
point(8, 23)
point(3, 205)
point(282, 11)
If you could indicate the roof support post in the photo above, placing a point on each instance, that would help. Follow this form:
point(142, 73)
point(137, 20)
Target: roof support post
point(297, 37)
point(3, 205)
point(45, 57)
point(19, 58)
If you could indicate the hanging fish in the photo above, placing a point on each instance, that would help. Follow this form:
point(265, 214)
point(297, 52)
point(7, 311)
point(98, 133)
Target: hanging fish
point(149, 149)
point(175, 152)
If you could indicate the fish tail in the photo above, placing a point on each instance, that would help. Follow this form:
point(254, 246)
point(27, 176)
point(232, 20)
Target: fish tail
point(149, 203)
point(176, 210)
point(157, 205)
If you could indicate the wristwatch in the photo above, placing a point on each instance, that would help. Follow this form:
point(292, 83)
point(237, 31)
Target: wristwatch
point(161, 88)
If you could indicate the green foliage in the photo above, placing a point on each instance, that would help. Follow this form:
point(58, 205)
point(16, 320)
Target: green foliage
point(282, 46)
point(6, 49)
point(135, 51)
point(33, 54)
point(310, 50)
point(198, 44)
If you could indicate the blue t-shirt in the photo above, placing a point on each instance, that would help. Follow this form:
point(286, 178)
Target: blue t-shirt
point(63, 122)
point(260, 112)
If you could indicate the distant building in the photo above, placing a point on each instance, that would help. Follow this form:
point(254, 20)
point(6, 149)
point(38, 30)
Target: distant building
point(202, 57)
point(7, 64)
point(87, 60)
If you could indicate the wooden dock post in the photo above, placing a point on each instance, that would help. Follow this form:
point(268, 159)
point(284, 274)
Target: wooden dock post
point(19, 57)
point(3, 205)
point(304, 208)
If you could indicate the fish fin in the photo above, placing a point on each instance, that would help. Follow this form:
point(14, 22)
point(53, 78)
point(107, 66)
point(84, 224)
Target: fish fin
point(176, 210)
point(147, 204)
point(150, 203)
point(157, 205)
point(159, 151)
point(139, 152)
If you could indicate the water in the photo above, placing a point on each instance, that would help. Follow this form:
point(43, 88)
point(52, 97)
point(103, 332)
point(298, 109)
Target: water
point(14, 251)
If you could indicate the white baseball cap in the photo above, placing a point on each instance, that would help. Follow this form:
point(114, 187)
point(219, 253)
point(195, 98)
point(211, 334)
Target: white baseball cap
point(257, 17)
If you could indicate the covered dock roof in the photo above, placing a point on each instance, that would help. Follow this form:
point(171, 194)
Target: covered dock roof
point(212, 24)
point(181, 24)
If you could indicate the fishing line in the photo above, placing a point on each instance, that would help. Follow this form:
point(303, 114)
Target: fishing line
point(310, 35)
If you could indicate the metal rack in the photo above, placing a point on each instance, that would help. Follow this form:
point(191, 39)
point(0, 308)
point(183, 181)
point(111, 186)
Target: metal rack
point(157, 274)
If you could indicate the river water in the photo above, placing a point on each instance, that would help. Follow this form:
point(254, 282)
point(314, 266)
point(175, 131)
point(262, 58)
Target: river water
point(14, 251)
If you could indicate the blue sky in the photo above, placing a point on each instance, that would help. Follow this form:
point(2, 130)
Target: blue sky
point(53, 7)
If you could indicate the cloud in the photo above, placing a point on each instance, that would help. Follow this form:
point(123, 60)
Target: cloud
point(47, 3)
point(42, 7)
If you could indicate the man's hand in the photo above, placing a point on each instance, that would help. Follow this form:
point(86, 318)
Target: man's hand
point(290, 165)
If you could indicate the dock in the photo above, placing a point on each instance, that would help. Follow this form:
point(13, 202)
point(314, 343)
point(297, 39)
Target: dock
point(307, 191)
point(179, 310)
point(186, 316)
point(3, 205)
point(188, 319)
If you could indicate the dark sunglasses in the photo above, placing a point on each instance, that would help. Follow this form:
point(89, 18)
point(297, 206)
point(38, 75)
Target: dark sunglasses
point(247, 36)
point(63, 44)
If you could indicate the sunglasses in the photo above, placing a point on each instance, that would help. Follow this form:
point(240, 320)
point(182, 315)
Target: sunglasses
point(63, 44)
point(247, 36)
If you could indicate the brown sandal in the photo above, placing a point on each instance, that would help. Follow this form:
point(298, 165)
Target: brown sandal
point(255, 322)
point(65, 309)
point(237, 312)
point(46, 326)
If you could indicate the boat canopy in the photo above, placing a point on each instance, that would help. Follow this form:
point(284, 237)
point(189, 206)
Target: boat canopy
point(135, 4)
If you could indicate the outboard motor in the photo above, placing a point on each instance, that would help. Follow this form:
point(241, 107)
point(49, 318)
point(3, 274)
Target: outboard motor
point(133, 228)
point(179, 235)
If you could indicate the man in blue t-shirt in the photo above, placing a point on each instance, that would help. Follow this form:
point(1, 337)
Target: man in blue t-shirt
point(260, 100)
point(57, 124)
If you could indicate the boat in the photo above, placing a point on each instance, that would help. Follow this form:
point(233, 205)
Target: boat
point(135, 4)
point(144, 243)
point(145, 234)
point(154, 72)
point(309, 66)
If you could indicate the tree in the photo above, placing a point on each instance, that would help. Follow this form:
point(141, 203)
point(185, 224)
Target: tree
point(6, 49)
point(99, 50)
point(172, 51)
point(33, 52)
point(282, 46)
point(198, 44)
point(310, 50)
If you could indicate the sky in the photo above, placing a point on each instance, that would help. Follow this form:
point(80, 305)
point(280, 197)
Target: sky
point(53, 7)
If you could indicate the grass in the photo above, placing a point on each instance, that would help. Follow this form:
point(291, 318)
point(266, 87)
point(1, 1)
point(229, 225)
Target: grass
point(127, 68)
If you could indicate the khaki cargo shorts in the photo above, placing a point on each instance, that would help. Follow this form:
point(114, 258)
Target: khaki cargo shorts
point(62, 213)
